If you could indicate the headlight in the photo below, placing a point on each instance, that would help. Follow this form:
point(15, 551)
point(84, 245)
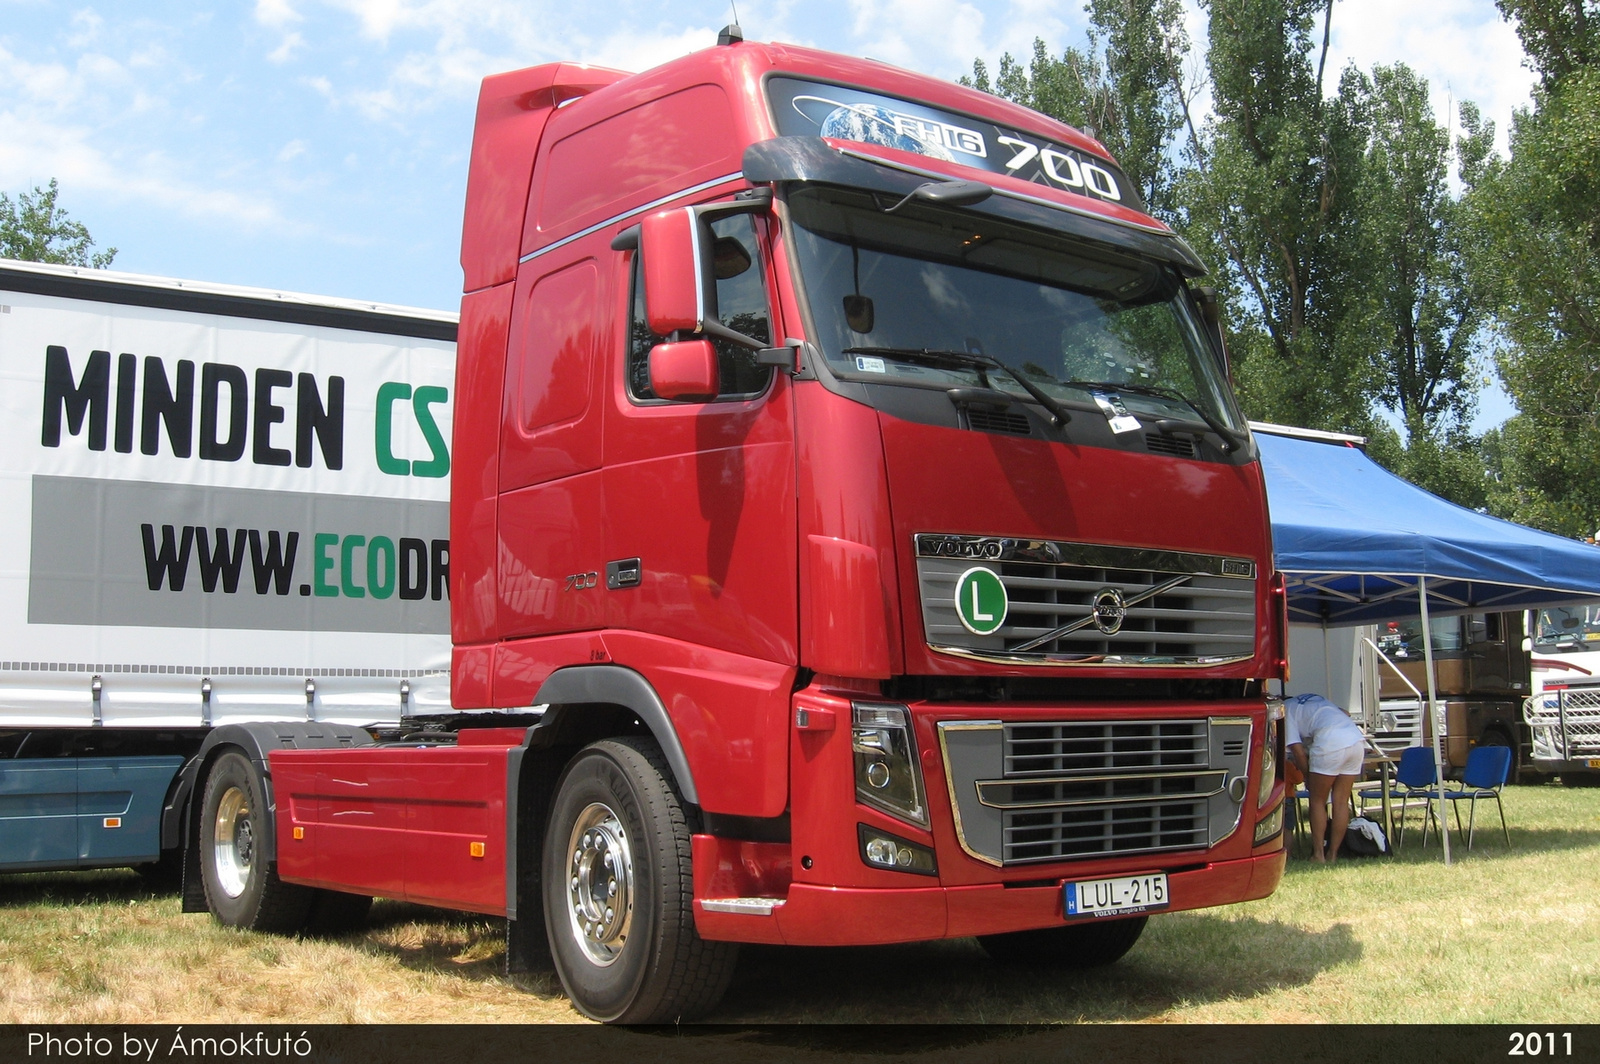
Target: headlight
point(888, 775)
point(1269, 752)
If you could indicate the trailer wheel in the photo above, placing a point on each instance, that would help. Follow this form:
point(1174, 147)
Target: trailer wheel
point(619, 892)
point(1072, 946)
point(241, 891)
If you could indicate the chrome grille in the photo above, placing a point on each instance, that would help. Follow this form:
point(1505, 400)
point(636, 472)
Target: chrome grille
point(1182, 609)
point(1565, 723)
point(1071, 790)
point(1067, 833)
point(1110, 746)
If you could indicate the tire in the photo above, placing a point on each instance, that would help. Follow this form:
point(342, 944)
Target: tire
point(241, 891)
point(334, 913)
point(624, 944)
point(1092, 945)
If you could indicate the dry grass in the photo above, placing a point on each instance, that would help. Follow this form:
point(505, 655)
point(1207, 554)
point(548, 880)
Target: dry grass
point(1497, 938)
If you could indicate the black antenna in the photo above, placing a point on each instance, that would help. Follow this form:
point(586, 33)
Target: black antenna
point(731, 33)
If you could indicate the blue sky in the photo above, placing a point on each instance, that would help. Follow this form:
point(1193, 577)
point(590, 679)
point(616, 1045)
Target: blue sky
point(321, 145)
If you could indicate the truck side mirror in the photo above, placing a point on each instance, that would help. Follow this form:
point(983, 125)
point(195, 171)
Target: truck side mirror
point(685, 371)
point(674, 273)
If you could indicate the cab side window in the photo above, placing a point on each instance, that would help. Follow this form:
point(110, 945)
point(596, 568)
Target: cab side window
point(741, 306)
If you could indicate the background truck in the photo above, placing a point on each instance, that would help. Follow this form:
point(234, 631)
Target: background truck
point(1563, 712)
point(1482, 673)
point(853, 539)
point(220, 505)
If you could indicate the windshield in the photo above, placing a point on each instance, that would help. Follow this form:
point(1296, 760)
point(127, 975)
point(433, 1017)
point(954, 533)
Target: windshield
point(1568, 628)
point(892, 293)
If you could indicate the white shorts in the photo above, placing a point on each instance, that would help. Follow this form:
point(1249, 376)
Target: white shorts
point(1345, 761)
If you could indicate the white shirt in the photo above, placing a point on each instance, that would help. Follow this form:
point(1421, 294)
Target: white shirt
point(1319, 724)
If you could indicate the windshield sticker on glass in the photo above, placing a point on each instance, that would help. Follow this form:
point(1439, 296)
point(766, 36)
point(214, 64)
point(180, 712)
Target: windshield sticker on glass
point(1116, 413)
point(806, 108)
point(871, 365)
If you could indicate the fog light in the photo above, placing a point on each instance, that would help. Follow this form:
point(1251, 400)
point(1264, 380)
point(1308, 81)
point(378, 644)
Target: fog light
point(879, 849)
point(1270, 826)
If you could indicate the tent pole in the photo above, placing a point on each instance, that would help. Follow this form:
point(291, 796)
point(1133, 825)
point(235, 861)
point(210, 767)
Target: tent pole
point(1432, 719)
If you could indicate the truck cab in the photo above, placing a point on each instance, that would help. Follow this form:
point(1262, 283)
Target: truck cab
point(854, 540)
point(1481, 674)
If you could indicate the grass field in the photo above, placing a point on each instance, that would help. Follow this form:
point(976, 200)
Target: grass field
point(1498, 937)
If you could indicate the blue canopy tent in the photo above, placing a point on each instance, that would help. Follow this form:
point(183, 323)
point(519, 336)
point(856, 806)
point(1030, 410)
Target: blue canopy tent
point(1356, 545)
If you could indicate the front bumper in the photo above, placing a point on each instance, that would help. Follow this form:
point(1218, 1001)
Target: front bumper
point(813, 915)
point(816, 889)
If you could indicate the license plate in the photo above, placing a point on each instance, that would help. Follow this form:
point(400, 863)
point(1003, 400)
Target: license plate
point(1594, 762)
point(1114, 897)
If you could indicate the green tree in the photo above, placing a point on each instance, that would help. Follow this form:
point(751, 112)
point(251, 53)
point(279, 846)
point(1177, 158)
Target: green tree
point(1536, 251)
point(34, 229)
point(1271, 197)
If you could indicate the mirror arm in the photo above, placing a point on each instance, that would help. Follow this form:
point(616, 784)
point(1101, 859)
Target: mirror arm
point(750, 201)
point(627, 240)
point(733, 336)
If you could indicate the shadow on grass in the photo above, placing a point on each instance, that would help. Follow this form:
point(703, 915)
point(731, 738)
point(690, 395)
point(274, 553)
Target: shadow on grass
point(1185, 958)
point(93, 887)
point(1488, 842)
point(462, 945)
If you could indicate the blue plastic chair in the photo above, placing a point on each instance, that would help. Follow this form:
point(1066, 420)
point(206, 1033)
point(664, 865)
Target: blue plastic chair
point(1485, 774)
point(1415, 777)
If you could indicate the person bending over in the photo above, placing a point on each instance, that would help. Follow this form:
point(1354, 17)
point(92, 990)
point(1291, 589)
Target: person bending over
point(1328, 747)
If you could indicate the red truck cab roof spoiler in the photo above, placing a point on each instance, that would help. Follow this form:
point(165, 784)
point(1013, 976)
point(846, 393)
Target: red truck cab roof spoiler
point(512, 111)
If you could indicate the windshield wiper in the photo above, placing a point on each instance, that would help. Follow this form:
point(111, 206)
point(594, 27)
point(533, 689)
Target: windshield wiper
point(1231, 441)
point(941, 359)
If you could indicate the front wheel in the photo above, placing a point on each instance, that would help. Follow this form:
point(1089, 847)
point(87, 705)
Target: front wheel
point(1088, 945)
point(619, 891)
point(241, 890)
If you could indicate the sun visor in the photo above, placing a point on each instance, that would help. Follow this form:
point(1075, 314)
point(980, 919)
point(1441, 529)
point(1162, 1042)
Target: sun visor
point(815, 160)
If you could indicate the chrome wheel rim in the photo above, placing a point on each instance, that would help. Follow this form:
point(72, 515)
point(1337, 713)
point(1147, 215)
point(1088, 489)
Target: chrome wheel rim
point(234, 846)
point(600, 884)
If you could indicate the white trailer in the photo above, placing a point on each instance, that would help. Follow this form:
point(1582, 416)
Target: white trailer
point(218, 505)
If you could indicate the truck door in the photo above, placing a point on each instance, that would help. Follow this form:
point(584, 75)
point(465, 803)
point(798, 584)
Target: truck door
point(702, 494)
point(38, 809)
point(551, 513)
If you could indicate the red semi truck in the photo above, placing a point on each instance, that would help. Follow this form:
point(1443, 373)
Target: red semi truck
point(854, 540)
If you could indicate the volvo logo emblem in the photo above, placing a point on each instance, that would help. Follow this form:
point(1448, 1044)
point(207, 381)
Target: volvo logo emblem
point(1109, 610)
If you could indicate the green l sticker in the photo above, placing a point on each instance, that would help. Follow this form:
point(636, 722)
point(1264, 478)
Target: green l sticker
point(981, 601)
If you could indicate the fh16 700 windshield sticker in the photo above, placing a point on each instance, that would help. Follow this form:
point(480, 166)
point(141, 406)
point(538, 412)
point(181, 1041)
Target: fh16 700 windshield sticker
point(806, 108)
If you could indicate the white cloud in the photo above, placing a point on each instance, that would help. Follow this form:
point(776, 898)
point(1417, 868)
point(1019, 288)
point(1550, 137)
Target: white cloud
point(924, 35)
point(85, 27)
point(291, 150)
point(64, 122)
point(276, 13)
point(634, 51)
point(1463, 47)
point(285, 51)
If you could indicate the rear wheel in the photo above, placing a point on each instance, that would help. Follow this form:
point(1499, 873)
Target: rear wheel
point(1092, 945)
point(618, 891)
point(241, 891)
